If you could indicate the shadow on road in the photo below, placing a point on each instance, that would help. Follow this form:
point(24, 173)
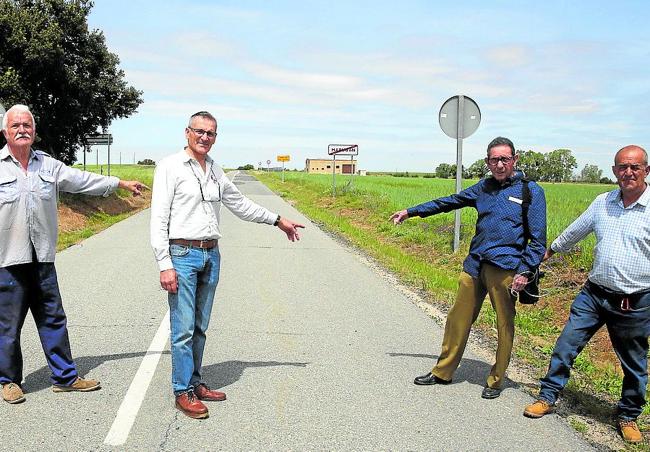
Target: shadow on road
point(470, 370)
point(226, 373)
point(40, 379)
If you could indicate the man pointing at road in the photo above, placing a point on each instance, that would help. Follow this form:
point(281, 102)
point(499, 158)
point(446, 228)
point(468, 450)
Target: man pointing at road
point(188, 190)
point(29, 184)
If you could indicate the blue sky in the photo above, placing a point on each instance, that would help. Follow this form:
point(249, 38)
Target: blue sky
point(292, 77)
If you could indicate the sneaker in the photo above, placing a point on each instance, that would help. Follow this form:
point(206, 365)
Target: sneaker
point(12, 393)
point(538, 409)
point(630, 431)
point(79, 385)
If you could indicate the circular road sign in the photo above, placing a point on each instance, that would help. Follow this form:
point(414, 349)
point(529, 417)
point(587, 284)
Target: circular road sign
point(268, 162)
point(448, 116)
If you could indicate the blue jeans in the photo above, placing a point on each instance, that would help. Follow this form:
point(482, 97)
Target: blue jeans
point(33, 287)
point(198, 274)
point(628, 331)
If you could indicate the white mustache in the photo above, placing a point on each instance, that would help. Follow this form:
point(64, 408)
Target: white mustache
point(22, 135)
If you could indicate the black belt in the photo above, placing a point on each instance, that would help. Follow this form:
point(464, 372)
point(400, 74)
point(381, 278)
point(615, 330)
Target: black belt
point(203, 244)
point(616, 297)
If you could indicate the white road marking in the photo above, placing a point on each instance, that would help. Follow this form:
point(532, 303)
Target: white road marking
point(130, 406)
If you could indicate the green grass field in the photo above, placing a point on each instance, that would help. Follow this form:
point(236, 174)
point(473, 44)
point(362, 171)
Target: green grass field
point(143, 173)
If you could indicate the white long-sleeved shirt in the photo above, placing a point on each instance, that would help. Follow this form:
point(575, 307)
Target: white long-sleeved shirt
point(28, 203)
point(622, 251)
point(186, 203)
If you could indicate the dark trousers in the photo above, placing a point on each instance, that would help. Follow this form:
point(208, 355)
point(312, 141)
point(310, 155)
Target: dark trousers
point(34, 287)
point(628, 325)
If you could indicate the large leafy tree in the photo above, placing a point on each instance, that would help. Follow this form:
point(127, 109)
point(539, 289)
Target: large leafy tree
point(591, 174)
point(559, 165)
point(532, 164)
point(477, 170)
point(51, 61)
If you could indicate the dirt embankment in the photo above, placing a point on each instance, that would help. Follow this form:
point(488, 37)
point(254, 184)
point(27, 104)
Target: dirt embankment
point(76, 211)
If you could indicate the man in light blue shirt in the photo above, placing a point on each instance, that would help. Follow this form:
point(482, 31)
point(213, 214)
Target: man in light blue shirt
point(30, 181)
point(616, 294)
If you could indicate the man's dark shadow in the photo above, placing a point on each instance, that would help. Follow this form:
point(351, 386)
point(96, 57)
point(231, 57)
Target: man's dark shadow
point(572, 400)
point(40, 379)
point(226, 373)
point(470, 370)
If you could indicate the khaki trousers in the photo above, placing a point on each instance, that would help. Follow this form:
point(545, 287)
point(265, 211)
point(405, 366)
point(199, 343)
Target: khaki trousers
point(471, 292)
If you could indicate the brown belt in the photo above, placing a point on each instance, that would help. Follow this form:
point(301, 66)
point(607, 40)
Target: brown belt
point(203, 244)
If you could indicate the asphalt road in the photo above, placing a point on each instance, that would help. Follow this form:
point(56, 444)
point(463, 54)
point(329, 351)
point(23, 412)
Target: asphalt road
point(314, 349)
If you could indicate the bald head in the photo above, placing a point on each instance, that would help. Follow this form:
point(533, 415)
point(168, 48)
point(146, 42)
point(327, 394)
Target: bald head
point(634, 151)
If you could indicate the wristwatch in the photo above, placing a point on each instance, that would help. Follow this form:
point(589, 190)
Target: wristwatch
point(277, 220)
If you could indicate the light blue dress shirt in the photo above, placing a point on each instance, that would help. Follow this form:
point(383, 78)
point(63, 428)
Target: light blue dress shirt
point(622, 251)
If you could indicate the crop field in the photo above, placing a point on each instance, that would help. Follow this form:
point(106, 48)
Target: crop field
point(420, 252)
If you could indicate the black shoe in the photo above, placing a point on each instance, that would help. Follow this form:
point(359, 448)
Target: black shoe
point(491, 393)
point(430, 379)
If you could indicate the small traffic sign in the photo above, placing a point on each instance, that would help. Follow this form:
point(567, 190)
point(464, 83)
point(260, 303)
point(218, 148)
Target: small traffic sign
point(99, 139)
point(283, 158)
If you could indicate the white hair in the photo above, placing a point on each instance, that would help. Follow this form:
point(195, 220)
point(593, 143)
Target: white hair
point(18, 108)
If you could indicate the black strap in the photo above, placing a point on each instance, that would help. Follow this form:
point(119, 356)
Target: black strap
point(525, 204)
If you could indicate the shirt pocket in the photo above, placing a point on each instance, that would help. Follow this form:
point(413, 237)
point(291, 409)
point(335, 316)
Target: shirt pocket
point(47, 186)
point(8, 189)
point(9, 206)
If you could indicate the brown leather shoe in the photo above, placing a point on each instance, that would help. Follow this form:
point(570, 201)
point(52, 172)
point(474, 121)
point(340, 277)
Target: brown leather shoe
point(630, 431)
point(191, 406)
point(203, 392)
point(12, 393)
point(538, 409)
point(79, 385)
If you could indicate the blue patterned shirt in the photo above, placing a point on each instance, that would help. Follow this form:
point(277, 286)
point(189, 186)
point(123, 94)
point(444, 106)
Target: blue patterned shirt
point(499, 237)
point(622, 251)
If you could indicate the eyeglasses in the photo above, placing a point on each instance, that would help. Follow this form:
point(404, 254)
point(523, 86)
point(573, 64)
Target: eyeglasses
point(494, 161)
point(634, 167)
point(201, 132)
point(212, 197)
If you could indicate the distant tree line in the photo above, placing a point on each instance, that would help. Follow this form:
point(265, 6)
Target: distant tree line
point(554, 166)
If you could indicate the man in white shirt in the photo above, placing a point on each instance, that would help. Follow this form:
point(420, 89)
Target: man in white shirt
point(617, 291)
point(188, 190)
point(29, 184)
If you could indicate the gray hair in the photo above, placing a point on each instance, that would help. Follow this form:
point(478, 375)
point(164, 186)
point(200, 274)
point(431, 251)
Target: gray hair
point(501, 141)
point(18, 108)
point(202, 114)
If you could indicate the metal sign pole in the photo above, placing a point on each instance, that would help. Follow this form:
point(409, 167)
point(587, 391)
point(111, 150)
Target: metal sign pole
point(283, 171)
point(459, 168)
point(86, 149)
point(334, 176)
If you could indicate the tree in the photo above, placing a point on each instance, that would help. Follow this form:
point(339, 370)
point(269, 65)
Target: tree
point(146, 162)
point(445, 171)
point(246, 167)
point(531, 163)
point(50, 61)
point(591, 174)
point(477, 170)
point(558, 166)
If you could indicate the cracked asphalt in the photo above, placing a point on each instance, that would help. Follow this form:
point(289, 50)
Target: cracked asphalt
point(314, 349)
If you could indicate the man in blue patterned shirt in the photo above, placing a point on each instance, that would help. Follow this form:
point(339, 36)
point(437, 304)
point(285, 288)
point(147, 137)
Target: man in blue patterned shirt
point(617, 291)
point(500, 259)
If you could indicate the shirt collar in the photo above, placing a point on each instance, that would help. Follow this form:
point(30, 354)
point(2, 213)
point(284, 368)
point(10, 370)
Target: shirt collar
point(644, 199)
point(4, 153)
point(185, 157)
